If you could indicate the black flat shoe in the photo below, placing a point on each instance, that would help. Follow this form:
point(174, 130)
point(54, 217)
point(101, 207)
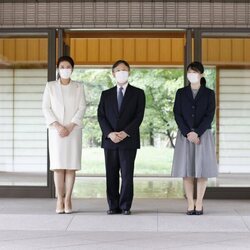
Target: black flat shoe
point(190, 212)
point(113, 211)
point(199, 212)
point(126, 212)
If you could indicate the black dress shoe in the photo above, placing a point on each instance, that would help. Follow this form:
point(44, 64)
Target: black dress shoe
point(113, 211)
point(199, 212)
point(126, 212)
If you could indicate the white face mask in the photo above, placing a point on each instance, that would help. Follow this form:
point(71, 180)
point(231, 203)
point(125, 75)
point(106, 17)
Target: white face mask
point(65, 73)
point(121, 76)
point(193, 77)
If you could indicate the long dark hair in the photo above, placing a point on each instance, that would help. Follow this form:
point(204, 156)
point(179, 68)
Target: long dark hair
point(199, 68)
point(63, 59)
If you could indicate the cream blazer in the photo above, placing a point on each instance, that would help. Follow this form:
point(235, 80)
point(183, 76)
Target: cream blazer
point(53, 106)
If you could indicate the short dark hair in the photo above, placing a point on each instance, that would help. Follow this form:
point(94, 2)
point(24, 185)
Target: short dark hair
point(67, 59)
point(120, 62)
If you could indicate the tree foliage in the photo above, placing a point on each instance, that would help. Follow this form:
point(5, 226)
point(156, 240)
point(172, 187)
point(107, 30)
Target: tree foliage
point(160, 85)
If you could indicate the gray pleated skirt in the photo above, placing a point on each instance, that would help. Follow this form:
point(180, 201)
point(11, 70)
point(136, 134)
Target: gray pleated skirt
point(191, 160)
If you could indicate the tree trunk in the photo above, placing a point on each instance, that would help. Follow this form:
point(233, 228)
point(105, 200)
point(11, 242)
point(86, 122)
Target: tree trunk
point(170, 139)
point(151, 135)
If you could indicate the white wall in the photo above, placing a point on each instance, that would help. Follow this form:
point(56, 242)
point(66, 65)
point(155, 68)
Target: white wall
point(234, 119)
point(23, 138)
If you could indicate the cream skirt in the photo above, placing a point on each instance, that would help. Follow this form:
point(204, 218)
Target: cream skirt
point(65, 152)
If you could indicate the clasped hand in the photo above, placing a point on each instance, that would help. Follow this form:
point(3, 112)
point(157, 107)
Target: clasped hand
point(64, 130)
point(193, 137)
point(117, 137)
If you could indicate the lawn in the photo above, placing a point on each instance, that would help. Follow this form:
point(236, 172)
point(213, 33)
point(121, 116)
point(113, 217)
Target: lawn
point(149, 161)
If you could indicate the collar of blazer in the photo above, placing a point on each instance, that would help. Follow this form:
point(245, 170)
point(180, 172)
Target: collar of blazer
point(199, 94)
point(125, 99)
point(59, 89)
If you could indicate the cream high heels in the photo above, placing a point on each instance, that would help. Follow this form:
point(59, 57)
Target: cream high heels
point(67, 207)
point(63, 208)
point(59, 208)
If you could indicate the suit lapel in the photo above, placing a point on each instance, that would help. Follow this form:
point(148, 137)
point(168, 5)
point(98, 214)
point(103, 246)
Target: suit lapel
point(114, 100)
point(59, 92)
point(124, 101)
point(189, 93)
point(200, 93)
point(126, 98)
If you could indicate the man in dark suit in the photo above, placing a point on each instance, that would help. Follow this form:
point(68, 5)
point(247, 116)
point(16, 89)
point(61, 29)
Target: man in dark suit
point(120, 113)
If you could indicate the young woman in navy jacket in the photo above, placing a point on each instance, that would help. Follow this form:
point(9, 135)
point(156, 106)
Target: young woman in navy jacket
point(194, 155)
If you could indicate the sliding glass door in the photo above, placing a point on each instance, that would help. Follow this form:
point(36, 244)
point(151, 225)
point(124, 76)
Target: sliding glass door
point(25, 58)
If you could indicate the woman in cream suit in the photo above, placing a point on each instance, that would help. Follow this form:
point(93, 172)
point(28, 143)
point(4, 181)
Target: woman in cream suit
point(64, 106)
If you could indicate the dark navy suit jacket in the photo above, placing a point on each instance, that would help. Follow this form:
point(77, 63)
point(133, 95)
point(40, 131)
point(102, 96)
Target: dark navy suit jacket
point(128, 119)
point(194, 114)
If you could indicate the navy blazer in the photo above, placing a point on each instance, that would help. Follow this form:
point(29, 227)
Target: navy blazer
point(128, 119)
point(194, 114)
